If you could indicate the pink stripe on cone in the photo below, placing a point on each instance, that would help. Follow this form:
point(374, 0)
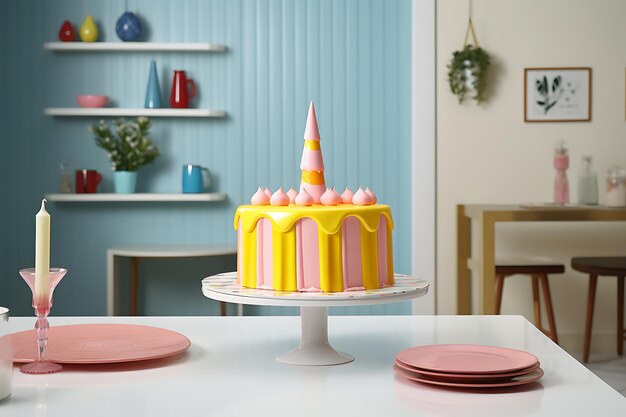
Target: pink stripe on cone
point(312, 160)
point(311, 131)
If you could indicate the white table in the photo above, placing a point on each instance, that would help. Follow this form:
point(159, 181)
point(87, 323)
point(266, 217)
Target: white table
point(136, 252)
point(230, 370)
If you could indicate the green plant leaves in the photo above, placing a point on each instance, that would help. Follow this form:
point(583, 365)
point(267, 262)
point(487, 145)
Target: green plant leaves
point(477, 61)
point(130, 148)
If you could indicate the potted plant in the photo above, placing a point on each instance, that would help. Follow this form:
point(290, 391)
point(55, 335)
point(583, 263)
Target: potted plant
point(467, 73)
point(129, 149)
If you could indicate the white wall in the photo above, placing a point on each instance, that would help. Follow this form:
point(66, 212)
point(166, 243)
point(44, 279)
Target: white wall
point(488, 154)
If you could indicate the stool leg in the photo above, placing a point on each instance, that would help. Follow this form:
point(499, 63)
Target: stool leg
point(499, 288)
point(537, 306)
point(134, 277)
point(620, 315)
point(591, 297)
point(549, 310)
point(222, 308)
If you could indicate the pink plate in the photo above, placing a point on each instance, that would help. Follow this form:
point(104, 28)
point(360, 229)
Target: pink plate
point(100, 343)
point(511, 382)
point(467, 359)
point(465, 377)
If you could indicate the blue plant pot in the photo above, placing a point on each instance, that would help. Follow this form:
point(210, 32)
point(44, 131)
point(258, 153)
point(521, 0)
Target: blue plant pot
point(125, 182)
point(128, 27)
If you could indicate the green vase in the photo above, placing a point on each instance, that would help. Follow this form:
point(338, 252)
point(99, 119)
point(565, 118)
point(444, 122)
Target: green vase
point(125, 181)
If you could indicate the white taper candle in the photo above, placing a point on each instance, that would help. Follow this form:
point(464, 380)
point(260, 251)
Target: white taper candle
point(42, 252)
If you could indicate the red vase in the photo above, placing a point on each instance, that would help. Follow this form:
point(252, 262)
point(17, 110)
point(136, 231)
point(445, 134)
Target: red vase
point(179, 99)
point(67, 32)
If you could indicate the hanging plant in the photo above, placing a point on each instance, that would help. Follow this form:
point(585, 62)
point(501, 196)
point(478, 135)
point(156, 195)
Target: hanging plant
point(467, 72)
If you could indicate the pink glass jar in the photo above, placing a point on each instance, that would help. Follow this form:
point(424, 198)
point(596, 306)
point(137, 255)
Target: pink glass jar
point(561, 183)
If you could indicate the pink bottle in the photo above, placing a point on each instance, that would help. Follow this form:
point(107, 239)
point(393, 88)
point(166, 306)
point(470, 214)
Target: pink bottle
point(561, 184)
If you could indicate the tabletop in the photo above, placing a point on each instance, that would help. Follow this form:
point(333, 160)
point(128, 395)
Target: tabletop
point(230, 370)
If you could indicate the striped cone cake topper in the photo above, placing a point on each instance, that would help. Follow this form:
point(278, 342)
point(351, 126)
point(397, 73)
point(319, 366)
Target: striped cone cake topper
point(312, 164)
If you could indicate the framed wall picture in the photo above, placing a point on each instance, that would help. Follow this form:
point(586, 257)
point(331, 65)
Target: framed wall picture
point(557, 94)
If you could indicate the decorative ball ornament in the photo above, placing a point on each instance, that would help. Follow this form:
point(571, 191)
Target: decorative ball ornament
point(128, 27)
point(67, 33)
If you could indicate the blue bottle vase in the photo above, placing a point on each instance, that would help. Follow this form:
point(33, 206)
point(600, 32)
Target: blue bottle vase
point(153, 94)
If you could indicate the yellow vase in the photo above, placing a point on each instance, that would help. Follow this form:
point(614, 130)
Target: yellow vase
point(89, 30)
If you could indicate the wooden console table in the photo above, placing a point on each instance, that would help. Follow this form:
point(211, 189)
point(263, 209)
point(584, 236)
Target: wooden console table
point(153, 251)
point(486, 217)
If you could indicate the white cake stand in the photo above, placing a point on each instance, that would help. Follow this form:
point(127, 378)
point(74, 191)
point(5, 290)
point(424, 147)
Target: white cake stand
point(314, 348)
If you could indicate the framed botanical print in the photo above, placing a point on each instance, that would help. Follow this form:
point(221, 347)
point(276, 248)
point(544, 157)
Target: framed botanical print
point(557, 94)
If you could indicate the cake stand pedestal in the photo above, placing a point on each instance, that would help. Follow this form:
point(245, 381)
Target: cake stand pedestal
point(314, 349)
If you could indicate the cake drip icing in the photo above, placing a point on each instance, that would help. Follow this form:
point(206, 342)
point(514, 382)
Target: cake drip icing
point(268, 192)
point(260, 198)
point(361, 198)
point(292, 195)
point(279, 198)
point(330, 197)
point(328, 219)
point(347, 196)
point(304, 199)
point(369, 192)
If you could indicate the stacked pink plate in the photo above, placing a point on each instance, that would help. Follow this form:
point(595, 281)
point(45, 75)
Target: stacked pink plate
point(468, 366)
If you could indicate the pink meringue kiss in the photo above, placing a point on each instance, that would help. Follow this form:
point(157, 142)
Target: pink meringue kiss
point(292, 195)
point(330, 197)
point(346, 196)
point(268, 192)
point(361, 198)
point(260, 198)
point(279, 198)
point(371, 194)
point(304, 198)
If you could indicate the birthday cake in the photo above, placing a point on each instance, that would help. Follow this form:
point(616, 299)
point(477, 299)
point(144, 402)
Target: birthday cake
point(314, 239)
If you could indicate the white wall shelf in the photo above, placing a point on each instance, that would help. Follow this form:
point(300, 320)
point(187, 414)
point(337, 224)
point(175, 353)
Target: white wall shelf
point(135, 197)
point(132, 47)
point(120, 112)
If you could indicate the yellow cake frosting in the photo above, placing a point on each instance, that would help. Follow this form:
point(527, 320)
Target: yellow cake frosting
point(329, 220)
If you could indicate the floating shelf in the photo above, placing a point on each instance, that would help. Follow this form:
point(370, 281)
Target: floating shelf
point(120, 112)
point(136, 197)
point(132, 46)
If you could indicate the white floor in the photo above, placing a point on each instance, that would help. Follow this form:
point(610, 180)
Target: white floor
point(610, 367)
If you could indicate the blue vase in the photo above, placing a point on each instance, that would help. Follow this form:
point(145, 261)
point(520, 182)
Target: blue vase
point(125, 182)
point(153, 93)
point(128, 27)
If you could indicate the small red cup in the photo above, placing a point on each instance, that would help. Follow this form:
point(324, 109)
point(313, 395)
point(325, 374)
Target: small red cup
point(87, 181)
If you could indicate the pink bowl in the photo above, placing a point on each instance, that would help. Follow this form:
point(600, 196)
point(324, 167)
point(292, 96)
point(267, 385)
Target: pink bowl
point(92, 101)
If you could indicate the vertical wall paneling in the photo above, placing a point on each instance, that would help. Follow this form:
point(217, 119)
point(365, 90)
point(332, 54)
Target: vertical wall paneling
point(353, 58)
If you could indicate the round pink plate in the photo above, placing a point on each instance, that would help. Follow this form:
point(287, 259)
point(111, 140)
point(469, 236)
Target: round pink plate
point(467, 359)
point(511, 382)
point(464, 377)
point(100, 343)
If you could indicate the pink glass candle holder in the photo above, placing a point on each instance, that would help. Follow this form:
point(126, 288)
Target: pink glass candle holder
point(42, 303)
point(561, 183)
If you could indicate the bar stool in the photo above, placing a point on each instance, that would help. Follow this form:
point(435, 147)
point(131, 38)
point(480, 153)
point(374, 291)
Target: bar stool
point(602, 266)
point(538, 269)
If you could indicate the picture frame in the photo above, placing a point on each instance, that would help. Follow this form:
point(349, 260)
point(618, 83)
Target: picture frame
point(557, 94)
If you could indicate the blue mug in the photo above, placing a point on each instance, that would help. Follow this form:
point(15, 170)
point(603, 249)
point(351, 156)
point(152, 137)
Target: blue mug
point(195, 179)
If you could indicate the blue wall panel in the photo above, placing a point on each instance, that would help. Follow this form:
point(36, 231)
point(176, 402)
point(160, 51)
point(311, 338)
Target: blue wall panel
point(351, 57)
